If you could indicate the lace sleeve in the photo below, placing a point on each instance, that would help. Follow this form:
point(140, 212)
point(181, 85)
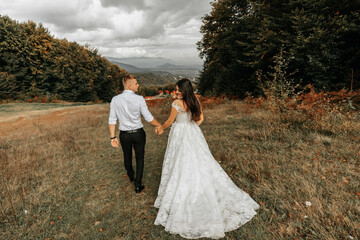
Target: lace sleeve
point(176, 106)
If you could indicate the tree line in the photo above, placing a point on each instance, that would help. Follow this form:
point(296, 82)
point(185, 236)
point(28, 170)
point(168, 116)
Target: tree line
point(34, 63)
point(248, 42)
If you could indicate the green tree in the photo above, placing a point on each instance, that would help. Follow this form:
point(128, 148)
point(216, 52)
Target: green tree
point(242, 37)
point(33, 63)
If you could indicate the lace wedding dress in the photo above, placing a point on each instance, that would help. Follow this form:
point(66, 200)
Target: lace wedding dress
point(196, 198)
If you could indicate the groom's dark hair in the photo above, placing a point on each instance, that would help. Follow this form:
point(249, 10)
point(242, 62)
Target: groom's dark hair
point(126, 78)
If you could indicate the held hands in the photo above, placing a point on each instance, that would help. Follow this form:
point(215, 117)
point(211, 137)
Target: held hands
point(115, 142)
point(159, 130)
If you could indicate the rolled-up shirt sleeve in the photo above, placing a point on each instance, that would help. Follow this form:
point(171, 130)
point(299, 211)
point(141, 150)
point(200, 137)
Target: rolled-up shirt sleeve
point(145, 111)
point(112, 115)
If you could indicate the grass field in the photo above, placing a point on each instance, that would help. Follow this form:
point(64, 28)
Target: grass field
point(61, 179)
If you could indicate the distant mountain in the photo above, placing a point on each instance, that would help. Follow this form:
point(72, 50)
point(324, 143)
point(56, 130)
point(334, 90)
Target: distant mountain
point(141, 65)
point(142, 62)
point(168, 66)
point(129, 68)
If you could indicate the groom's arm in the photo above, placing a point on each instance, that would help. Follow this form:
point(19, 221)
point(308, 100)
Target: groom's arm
point(158, 129)
point(112, 123)
point(147, 115)
point(113, 139)
point(155, 123)
point(112, 130)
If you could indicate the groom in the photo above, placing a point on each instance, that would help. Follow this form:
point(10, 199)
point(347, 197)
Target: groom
point(128, 107)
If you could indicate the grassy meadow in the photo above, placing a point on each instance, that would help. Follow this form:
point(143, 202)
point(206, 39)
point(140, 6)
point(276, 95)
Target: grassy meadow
point(61, 179)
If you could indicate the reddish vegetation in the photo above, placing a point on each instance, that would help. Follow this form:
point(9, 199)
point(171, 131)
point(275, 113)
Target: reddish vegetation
point(205, 102)
point(155, 101)
point(313, 103)
point(331, 97)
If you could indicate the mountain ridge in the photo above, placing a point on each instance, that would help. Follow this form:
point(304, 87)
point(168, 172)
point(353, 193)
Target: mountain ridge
point(147, 64)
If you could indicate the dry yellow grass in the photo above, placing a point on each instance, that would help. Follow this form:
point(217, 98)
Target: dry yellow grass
point(61, 179)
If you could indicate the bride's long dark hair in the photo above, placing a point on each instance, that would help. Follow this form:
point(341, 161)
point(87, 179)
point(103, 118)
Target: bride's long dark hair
point(187, 91)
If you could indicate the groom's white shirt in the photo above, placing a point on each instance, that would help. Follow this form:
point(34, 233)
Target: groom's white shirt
point(128, 108)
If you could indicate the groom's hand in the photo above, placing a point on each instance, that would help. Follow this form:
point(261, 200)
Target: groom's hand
point(159, 130)
point(115, 142)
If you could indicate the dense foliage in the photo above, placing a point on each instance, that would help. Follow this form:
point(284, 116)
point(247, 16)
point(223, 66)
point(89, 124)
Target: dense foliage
point(154, 90)
point(35, 64)
point(245, 41)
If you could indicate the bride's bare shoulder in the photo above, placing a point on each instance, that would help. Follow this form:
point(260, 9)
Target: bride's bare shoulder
point(180, 103)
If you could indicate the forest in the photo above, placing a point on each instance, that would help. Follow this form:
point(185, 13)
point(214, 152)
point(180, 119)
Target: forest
point(248, 43)
point(33, 63)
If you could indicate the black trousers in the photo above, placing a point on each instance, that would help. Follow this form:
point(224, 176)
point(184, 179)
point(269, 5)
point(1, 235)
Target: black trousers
point(137, 141)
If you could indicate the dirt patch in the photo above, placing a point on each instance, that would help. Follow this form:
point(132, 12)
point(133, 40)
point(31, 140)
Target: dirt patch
point(22, 120)
point(14, 117)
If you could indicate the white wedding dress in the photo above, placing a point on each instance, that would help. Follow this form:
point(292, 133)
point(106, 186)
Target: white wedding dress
point(196, 198)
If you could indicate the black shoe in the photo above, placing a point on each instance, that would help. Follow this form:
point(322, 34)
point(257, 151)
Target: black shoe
point(131, 178)
point(139, 188)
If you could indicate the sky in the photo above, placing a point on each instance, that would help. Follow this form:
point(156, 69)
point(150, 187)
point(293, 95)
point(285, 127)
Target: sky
point(120, 28)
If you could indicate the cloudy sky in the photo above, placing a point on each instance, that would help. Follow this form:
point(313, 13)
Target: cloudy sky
point(120, 28)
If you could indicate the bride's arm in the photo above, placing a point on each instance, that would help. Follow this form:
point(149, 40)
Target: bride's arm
point(171, 119)
point(201, 116)
point(200, 120)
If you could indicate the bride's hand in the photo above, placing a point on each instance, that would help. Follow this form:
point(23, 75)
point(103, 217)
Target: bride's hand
point(159, 130)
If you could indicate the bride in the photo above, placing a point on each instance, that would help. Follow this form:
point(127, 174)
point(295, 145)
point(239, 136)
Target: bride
point(196, 198)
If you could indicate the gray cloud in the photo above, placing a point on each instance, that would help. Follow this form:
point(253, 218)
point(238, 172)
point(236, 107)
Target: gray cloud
point(124, 4)
point(119, 27)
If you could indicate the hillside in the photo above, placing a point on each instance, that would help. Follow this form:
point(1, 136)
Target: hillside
point(156, 78)
point(129, 68)
point(35, 64)
point(157, 66)
point(246, 44)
